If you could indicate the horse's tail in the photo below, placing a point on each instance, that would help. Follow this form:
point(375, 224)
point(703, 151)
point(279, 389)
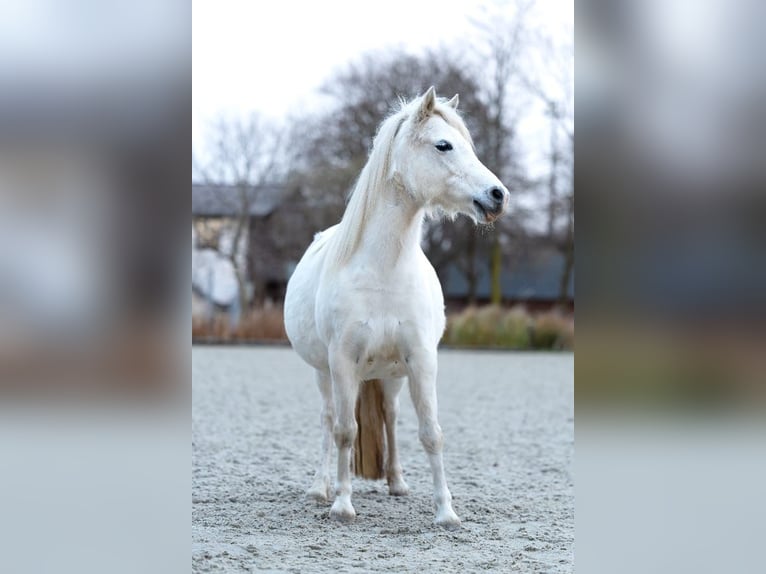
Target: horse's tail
point(370, 443)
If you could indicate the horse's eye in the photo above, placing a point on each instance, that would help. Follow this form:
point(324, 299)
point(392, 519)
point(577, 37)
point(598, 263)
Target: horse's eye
point(443, 145)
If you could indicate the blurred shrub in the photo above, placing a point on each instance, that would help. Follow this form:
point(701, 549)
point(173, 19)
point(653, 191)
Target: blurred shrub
point(552, 331)
point(462, 329)
point(514, 329)
point(495, 327)
point(255, 325)
point(651, 365)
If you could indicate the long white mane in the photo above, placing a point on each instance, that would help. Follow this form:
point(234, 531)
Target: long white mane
point(377, 174)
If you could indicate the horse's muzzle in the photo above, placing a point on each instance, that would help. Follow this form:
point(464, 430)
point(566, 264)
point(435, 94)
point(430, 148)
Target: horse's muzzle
point(492, 203)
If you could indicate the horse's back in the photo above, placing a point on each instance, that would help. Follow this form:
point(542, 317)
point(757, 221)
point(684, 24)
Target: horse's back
point(300, 302)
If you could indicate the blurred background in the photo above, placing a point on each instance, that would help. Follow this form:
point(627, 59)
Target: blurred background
point(94, 398)
point(671, 286)
point(94, 299)
point(279, 142)
point(671, 178)
point(93, 126)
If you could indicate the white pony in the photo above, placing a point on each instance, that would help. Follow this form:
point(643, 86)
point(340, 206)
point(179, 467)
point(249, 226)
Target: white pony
point(364, 306)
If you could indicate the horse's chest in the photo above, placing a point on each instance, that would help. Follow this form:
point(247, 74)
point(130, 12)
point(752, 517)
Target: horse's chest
point(402, 301)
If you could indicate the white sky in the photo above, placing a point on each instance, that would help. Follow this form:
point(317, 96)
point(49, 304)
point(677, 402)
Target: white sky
point(272, 56)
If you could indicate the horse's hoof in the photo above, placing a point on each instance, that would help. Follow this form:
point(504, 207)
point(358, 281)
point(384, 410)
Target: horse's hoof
point(447, 520)
point(319, 491)
point(343, 517)
point(398, 488)
point(318, 496)
point(342, 514)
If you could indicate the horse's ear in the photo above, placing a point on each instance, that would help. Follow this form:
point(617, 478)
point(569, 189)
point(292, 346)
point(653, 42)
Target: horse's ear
point(454, 102)
point(427, 104)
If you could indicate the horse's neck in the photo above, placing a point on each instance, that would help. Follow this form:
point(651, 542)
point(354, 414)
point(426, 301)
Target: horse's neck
point(393, 231)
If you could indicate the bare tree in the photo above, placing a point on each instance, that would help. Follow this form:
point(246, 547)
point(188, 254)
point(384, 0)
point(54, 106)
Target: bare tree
point(502, 28)
point(362, 94)
point(549, 79)
point(245, 153)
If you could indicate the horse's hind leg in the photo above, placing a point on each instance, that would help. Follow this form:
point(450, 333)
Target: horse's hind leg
point(396, 484)
point(320, 487)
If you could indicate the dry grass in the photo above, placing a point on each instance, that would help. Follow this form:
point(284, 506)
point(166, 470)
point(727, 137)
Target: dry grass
point(491, 326)
point(552, 330)
point(256, 325)
point(515, 328)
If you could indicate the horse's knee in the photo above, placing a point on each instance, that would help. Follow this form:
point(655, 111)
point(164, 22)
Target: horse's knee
point(344, 434)
point(432, 438)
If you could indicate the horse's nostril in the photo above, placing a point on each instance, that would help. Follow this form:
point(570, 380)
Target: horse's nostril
point(497, 193)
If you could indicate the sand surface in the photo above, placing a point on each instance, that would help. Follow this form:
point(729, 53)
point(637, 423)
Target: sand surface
point(508, 426)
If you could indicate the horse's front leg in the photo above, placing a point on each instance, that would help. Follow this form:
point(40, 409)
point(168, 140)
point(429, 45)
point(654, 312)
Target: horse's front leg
point(423, 391)
point(345, 390)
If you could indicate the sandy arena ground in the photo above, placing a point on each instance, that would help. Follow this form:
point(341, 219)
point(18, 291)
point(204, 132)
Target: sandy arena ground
point(508, 425)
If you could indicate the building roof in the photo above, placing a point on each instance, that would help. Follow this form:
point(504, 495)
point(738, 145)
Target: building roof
point(222, 200)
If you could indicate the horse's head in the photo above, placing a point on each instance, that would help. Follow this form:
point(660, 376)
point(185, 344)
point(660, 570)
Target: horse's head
point(434, 160)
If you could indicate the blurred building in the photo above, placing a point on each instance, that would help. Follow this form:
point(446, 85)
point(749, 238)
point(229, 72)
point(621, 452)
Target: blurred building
point(531, 276)
point(217, 212)
point(276, 232)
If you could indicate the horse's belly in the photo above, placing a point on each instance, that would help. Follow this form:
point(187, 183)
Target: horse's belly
point(299, 308)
